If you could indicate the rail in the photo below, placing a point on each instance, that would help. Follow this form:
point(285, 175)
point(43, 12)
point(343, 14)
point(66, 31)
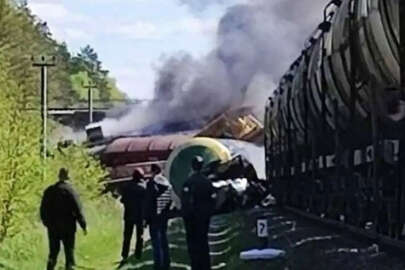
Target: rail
point(369, 235)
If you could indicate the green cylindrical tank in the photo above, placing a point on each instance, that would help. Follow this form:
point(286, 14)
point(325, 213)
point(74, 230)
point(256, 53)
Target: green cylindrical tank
point(178, 167)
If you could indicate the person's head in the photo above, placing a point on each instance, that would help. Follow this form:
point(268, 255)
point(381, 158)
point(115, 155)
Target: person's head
point(197, 163)
point(155, 169)
point(63, 174)
point(137, 175)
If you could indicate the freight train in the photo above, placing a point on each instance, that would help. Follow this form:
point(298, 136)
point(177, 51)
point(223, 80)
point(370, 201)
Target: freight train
point(335, 128)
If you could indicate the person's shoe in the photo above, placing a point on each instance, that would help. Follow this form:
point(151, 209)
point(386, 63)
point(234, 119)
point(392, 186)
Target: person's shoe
point(70, 267)
point(138, 255)
point(122, 262)
point(51, 264)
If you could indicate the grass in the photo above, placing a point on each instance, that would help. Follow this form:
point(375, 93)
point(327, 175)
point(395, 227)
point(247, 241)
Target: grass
point(98, 250)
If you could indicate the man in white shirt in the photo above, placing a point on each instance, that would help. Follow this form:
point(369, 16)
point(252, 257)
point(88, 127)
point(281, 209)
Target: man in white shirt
point(158, 202)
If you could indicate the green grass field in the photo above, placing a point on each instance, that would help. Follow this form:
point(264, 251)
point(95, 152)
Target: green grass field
point(98, 250)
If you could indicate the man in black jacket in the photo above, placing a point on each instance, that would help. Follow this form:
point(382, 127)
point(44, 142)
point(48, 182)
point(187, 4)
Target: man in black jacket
point(198, 203)
point(60, 210)
point(133, 196)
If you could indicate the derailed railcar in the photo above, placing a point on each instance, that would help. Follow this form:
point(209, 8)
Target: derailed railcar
point(232, 176)
point(230, 173)
point(334, 126)
point(123, 155)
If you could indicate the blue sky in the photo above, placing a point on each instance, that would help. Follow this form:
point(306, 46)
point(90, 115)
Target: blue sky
point(131, 36)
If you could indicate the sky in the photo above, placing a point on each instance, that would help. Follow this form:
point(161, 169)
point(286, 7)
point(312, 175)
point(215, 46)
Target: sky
point(131, 37)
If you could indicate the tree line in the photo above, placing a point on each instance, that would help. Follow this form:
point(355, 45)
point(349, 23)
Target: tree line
point(24, 35)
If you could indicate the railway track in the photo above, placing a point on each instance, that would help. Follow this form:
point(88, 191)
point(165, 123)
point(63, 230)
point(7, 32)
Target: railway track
point(366, 234)
point(310, 242)
point(315, 243)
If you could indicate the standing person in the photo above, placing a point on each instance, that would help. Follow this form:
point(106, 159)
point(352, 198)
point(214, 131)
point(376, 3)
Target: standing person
point(158, 202)
point(133, 196)
point(198, 205)
point(60, 210)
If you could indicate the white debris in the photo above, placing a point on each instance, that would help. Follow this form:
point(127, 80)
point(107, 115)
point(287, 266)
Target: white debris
point(264, 254)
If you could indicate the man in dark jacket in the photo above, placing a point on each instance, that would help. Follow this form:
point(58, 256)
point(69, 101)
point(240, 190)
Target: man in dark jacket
point(157, 207)
point(60, 210)
point(133, 196)
point(198, 203)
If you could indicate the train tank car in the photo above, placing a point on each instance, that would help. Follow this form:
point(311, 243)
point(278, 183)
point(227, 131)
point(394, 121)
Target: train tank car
point(334, 126)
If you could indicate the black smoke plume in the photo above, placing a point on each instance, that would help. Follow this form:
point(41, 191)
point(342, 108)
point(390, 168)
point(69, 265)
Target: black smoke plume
point(256, 43)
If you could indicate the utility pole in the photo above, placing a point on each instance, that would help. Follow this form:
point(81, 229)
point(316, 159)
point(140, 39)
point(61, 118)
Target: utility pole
point(44, 62)
point(90, 86)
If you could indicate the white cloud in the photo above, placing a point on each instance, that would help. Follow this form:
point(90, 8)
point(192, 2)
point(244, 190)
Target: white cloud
point(137, 30)
point(43, 1)
point(65, 25)
point(53, 10)
point(113, 1)
point(95, 22)
point(196, 26)
point(150, 31)
point(69, 25)
point(136, 82)
point(77, 34)
point(56, 13)
point(67, 34)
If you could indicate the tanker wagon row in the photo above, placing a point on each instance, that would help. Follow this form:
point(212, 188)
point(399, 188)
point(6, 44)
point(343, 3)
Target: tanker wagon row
point(334, 127)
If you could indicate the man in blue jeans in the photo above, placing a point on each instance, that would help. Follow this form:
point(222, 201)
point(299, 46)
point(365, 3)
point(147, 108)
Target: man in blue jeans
point(157, 204)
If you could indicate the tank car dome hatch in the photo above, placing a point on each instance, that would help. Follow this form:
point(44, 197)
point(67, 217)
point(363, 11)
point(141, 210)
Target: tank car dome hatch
point(178, 167)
